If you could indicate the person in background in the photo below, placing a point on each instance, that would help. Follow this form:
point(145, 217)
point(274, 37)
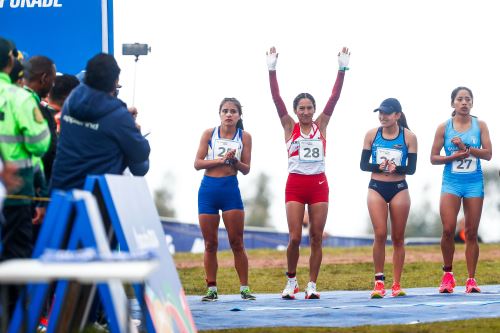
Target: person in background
point(466, 141)
point(307, 183)
point(393, 151)
point(17, 73)
point(23, 134)
point(39, 77)
point(9, 182)
point(224, 151)
point(63, 85)
point(460, 233)
point(98, 134)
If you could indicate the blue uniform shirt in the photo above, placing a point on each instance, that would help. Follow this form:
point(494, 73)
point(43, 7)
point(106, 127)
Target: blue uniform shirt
point(394, 150)
point(470, 167)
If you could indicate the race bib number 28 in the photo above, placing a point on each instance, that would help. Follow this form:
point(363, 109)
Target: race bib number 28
point(311, 151)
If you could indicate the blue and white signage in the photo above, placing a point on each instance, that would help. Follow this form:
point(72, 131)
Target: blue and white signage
point(69, 32)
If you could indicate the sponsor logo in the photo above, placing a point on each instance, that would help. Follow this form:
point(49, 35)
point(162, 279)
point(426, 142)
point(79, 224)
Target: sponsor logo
point(71, 120)
point(31, 3)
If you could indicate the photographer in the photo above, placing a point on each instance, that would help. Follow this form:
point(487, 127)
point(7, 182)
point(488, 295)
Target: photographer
point(98, 133)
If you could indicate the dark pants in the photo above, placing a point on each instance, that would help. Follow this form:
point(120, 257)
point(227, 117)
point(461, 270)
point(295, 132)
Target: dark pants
point(17, 232)
point(17, 241)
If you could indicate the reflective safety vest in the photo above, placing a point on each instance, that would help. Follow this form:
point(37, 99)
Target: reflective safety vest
point(23, 133)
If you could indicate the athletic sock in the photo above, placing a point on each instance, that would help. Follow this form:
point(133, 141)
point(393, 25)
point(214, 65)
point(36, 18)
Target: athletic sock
point(448, 269)
point(243, 288)
point(379, 277)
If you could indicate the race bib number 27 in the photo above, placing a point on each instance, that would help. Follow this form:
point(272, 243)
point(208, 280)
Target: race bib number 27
point(465, 165)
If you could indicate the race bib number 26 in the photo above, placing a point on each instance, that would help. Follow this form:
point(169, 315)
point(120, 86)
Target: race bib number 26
point(388, 154)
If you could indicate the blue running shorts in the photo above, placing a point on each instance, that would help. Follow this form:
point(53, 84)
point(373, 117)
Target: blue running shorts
point(219, 193)
point(464, 189)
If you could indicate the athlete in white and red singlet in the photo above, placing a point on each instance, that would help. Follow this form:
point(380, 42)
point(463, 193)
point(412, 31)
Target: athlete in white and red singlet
point(307, 183)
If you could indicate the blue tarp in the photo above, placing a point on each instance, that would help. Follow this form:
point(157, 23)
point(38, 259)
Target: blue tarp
point(345, 309)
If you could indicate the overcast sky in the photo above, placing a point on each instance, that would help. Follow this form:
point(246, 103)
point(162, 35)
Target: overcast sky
point(203, 51)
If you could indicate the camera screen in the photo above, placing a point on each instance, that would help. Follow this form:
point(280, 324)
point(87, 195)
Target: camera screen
point(135, 49)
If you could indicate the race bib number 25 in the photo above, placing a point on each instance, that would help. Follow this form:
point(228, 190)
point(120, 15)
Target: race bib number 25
point(222, 146)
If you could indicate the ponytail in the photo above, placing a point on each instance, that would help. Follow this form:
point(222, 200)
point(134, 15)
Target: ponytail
point(239, 124)
point(402, 121)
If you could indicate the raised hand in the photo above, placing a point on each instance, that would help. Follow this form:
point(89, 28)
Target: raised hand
point(343, 58)
point(272, 59)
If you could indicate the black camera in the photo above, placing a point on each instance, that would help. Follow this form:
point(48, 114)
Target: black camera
point(135, 49)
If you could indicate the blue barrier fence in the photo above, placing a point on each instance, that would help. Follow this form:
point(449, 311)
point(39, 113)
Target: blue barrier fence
point(185, 237)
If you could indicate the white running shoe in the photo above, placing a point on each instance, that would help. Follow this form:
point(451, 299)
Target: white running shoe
point(311, 292)
point(291, 288)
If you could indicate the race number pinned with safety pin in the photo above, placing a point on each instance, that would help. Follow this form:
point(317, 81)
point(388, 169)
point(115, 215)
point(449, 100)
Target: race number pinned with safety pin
point(222, 146)
point(465, 165)
point(311, 151)
point(387, 154)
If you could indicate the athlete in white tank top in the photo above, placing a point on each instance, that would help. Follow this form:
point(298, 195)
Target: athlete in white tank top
point(218, 147)
point(306, 152)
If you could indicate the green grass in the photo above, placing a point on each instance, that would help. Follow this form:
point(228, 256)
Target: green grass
point(461, 326)
point(355, 276)
point(351, 276)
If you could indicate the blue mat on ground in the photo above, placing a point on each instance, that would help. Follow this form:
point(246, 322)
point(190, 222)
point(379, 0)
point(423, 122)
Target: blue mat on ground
point(345, 309)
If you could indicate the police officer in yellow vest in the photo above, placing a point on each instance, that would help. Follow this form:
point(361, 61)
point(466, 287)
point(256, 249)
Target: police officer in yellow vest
point(23, 133)
point(39, 77)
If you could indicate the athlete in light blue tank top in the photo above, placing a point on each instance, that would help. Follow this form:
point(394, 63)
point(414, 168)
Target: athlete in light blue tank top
point(467, 169)
point(394, 150)
point(465, 140)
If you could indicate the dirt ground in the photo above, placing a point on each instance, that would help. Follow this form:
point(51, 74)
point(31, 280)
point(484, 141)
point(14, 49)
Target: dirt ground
point(412, 255)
